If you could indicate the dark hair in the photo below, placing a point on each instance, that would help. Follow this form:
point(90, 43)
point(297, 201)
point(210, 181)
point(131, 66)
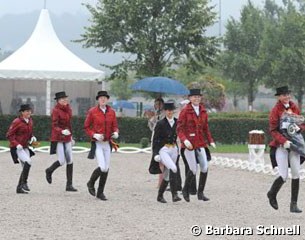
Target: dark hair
point(159, 99)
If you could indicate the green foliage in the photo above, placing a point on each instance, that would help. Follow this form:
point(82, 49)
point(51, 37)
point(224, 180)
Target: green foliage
point(226, 128)
point(282, 51)
point(235, 130)
point(156, 34)
point(234, 115)
point(131, 129)
point(213, 92)
point(242, 41)
point(144, 142)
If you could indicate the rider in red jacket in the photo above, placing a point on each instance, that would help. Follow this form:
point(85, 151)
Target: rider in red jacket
point(281, 155)
point(101, 125)
point(61, 139)
point(193, 131)
point(20, 135)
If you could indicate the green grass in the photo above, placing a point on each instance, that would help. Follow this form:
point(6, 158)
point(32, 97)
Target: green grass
point(221, 148)
point(227, 148)
point(80, 144)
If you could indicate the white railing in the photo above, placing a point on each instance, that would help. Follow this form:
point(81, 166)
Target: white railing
point(252, 166)
point(78, 149)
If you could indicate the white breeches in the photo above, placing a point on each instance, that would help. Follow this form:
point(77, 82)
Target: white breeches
point(201, 157)
point(24, 156)
point(168, 157)
point(102, 154)
point(282, 157)
point(64, 153)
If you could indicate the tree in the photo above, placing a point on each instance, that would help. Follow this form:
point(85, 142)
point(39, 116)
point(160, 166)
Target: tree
point(283, 48)
point(242, 41)
point(156, 34)
point(213, 92)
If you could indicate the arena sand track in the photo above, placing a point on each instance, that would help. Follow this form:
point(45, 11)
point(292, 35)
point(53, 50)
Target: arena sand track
point(238, 198)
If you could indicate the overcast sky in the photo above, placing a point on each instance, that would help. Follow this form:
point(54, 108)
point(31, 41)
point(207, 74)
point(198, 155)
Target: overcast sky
point(229, 7)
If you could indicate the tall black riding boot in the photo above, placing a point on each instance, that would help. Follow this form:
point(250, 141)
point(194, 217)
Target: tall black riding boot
point(173, 180)
point(69, 171)
point(23, 178)
point(193, 188)
point(26, 169)
point(295, 184)
point(275, 188)
point(186, 188)
point(202, 180)
point(178, 176)
point(20, 184)
point(162, 188)
point(90, 184)
point(50, 170)
point(100, 191)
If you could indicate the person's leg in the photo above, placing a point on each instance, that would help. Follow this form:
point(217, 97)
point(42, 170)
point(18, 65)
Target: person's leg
point(69, 167)
point(191, 160)
point(167, 156)
point(295, 166)
point(60, 152)
point(104, 164)
point(193, 187)
point(203, 162)
point(24, 157)
point(281, 156)
point(163, 186)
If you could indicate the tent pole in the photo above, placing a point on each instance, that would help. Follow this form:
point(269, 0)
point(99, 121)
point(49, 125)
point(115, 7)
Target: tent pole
point(48, 97)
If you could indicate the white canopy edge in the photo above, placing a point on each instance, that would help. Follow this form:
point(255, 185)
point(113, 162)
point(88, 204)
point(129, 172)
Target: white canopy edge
point(43, 56)
point(50, 75)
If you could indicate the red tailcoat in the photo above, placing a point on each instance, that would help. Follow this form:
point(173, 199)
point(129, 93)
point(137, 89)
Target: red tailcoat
point(20, 132)
point(194, 128)
point(99, 122)
point(61, 120)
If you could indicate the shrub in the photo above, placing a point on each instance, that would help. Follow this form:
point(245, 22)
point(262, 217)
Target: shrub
point(144, 142)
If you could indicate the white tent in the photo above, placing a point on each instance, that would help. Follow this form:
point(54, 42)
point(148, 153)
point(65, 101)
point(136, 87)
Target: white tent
point(44, 57)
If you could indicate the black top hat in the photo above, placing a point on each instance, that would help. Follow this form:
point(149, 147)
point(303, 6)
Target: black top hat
point(59, 95)
point(282, 90)
point(195, 92)
point(169, 106)
point(24, 107)
point(102, 93)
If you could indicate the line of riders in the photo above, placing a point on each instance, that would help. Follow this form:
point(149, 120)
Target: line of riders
point(188, 136)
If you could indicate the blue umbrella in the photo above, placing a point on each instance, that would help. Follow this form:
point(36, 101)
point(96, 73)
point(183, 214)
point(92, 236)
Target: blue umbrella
point(160, 85)
point(122, 104)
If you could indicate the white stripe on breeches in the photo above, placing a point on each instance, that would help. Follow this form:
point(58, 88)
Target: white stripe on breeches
point(191, 160)
point(282, 156)
point(24, 156)
point(64, 153)
point(168, 157)
point(102, 154)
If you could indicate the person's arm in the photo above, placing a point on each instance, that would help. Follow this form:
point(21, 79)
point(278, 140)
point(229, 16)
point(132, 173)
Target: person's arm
point(88, 123)
point(156, 138)
point(11, 133)
point(274, 121)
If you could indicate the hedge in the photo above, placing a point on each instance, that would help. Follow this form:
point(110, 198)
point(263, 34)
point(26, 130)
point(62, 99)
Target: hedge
point(131, 129)
point(230, 130)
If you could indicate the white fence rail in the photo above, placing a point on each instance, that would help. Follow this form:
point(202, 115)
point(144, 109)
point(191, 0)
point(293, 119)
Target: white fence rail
point(252, 166)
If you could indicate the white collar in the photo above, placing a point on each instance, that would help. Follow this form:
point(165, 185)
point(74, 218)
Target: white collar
point(170, 119)
point(195, 107)
point(103, 109)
